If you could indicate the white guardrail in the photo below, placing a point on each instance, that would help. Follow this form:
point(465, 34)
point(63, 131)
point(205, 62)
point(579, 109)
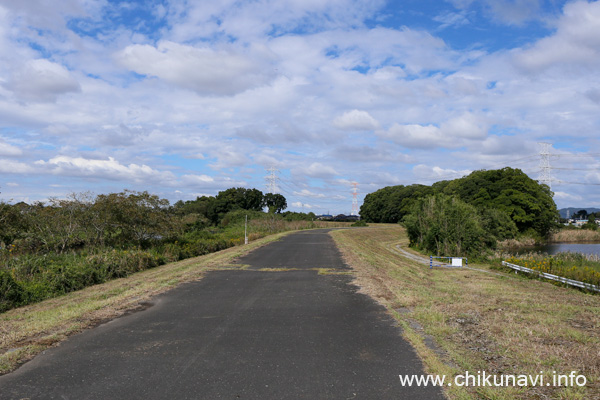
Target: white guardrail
point(545, 275)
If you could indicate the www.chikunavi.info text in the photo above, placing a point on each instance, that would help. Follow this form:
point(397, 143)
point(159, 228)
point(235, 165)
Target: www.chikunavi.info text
point(482, 378)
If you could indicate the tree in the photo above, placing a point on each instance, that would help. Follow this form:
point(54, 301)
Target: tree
point(498, 224)
point(275, 202)
point(12, 223)
point(135, 218)
point(59, 226)
point(240, 198)
point(528, 203)
point(446, 225)
point(507, 201)
point(581, 214)
point(392, 203)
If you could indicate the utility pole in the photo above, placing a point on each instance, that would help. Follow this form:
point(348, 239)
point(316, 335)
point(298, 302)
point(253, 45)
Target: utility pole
point(272, 180)
point(354, 198)
point(545, 177)
point(246, 230)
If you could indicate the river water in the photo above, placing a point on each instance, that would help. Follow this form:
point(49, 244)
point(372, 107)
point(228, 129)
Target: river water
point(553, 248)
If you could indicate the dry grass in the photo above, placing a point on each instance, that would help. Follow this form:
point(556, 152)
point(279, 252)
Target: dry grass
point(515, 243)
point(26, 331)
point(501, 324)
point(575, 235)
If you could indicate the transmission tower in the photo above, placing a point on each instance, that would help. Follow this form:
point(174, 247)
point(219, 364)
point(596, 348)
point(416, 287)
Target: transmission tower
point(272, 180)
point(354, 198)
point(545, 177)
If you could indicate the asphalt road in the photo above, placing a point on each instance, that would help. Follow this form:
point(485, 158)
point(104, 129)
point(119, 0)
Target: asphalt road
point(238, 334)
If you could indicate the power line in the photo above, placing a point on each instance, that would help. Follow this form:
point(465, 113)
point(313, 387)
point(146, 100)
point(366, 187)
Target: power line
point(517, 161)
point(578, 155)
point(578, 183)
point(575, 169)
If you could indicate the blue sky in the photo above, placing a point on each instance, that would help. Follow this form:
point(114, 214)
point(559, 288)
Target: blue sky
point(187, 98)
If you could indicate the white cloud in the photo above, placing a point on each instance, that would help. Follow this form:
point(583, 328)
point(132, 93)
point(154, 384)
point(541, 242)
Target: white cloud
point(42, 80)
point(514, 12)
point(417, 136)
point(510, 12)
point(466, 126)
point(452, 133)
point(8, 150)
point(299, 204)
point(308, 193)
point(205, 182)
point(202, 69)
point(452, 19)
point(197, 179)
point(229, 156)
point(435, 173)
point(105, 169)
point(356, 120)
point(14, 167)
point(316, 170)
point(564, 196)
point(575, 43)
point(40, 13)
point(367, 154)
point(593, 177)
point(249, 20)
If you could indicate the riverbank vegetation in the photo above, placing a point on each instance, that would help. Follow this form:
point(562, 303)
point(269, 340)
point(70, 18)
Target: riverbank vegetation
point(574, 235)
point(469, 215)
point(580, 267)
point(65, 245)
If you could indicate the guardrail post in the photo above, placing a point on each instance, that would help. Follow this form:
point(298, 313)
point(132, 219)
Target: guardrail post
point(430, 262)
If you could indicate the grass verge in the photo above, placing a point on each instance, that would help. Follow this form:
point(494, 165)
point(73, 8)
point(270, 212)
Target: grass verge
point(463, 320)
point(26, 331)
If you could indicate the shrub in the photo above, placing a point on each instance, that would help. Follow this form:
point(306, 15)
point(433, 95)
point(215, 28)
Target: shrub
point(11, 293)
point(445, 225)
point(121, 263)
point(359, 223)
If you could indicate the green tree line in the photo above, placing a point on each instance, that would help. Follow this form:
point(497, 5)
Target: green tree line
point(469, 214)
point(47, 249)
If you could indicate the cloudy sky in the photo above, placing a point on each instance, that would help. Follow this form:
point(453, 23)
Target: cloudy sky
point(185, 98)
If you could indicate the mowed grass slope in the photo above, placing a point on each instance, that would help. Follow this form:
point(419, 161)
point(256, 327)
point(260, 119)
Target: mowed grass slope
point(464, 320)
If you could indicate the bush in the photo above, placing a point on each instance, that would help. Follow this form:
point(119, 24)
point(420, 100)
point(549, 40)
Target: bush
point(445, 225)
point(71, 277)
point(359, 223)
point(11, 293)
point(121, 263)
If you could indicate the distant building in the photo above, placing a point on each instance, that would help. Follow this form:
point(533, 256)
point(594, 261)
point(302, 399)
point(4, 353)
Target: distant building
point(338, 218)
point(346, 218)
point(324, 217)
point(578, 222)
